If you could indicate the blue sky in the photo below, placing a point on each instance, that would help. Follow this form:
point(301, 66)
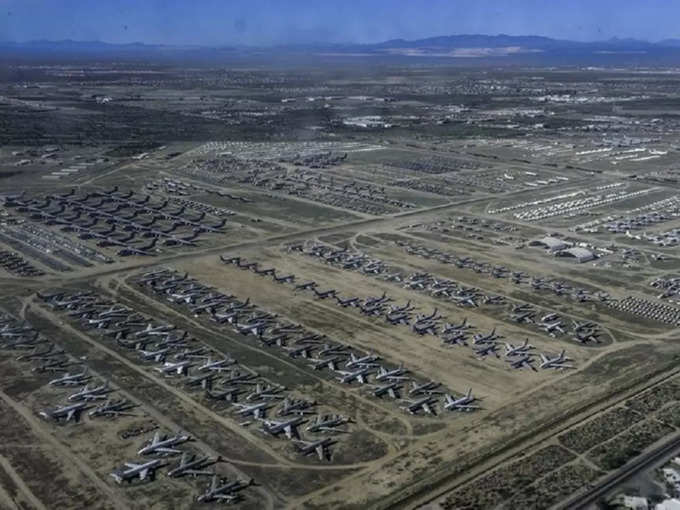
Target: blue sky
point(267, 22)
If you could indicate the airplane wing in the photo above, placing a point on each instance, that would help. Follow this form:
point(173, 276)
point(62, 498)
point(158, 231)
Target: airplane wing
point(319, 451)
point(258, 412)
point(289, 431)
point(143, 473)
point(361, 379)
point(391, 393)
point(131, 465)
point(427, 408)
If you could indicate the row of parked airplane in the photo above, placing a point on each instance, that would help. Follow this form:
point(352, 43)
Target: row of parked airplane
point(447, 289)
point(554, 325)
point(172, 353)
point(131, 225)
point(319, 352)
point(84, 395)
point(219, 490)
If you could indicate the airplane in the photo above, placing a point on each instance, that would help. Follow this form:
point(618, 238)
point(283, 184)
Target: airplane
point(464, 300)
point(217, 365)
point(204, 381)
point(525, 316)
point(516, 350)
point(163, 446)
point(132, 471)
point(424, 404)
point(95, 393)
point(320, 447)
point(347, 376)
point(274, 427)
point(392, 375)
point(556, 363)
point(452, 327)
point(71, 379)
point(157, 356)
point(525, 360)
point(181, 367)
point(256, 410)
point(150, 330)
point(428, 388)
point(190, 465)
point(389, 389)
point(223, 492)
point(112, 408)
point(265, 392)
point(552, 327)
point(318, 364)
point(480, 338)
point(485, 350)
point(292, 406)
point(284, 279)
point(460, 404)
point(346, 302)
point(226, 394)
point(328, 423)
point(67, 412)
point(50, 352)
point(368, 360)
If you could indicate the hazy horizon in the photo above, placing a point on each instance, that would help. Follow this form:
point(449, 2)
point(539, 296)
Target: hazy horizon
point(268, 22)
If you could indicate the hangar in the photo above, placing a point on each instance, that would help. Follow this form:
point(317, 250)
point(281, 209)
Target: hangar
point(553, 244)
point(580, 254)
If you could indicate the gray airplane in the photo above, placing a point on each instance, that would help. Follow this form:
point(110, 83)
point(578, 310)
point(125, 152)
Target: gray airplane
point(517, 350)
point(164, 446)
point(319, 447)
point(460, 404)
point(368, 360)
point(180, 367)
point(358, 375)
point(67, 412)
point(132, 471)
point(328, 423)
point(389, 389)
point(274, 427)
point(217, 365)
point(87, 393)
point(424, 404)
point(396, 374)
point(559, 362)
point(190, 465)
point(225, 492)
point(113, 409)
point(428, 388)
point(71, 379)
point(256, 410)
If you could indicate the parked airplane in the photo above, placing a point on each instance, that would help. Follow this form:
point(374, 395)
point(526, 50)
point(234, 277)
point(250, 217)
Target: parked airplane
point(180, 367)
point(319, 447)
point(190, 465)
point(87, 393)
point(460, 404)
point(274, 427)
point(225, 492)
point(256, 410)
point(71, 379)
point(328, 423)
point(428, 388)
point(368, 360)
point(516, 350)
point(113, 409)
point(217, 365)
point(68, 412)
point(390, 389)
point(424, 404)
point(164, 446)
point(349, 376)
point(392, 375)
point(132, 471)
point(556, 363)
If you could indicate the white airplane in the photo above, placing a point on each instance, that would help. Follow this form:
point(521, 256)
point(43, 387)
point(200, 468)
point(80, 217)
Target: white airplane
point(556, 363)
point(135, 470)
point(553, 327)
point(516, 350)
point(217, 365)
point(257, 410)
point(369, 359)
point(68, 412)
point(392, 375)
point(71, 379)
point(225, 492)
point(274, 427)
point(98, 392)
point(413, 406)
point(460, 404)
point(348, 377)
point(163, 446)
point(180, 367)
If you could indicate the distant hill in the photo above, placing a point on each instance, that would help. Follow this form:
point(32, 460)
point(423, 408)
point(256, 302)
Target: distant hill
point(470, 46)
